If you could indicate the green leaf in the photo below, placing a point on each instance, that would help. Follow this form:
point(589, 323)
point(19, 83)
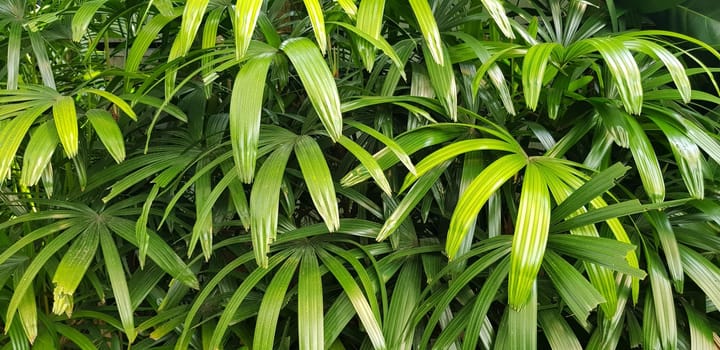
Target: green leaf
point(124, 106)
point(358, 300)
point(431, 33)
point(109, 132)
point(75, 336)
point(34, 268)
point(646, 160)
point(318, 82)
point(116, 274)
point(522, 321)
point(533, 72)
point(453, 150)
point(317, 19)
point(558, 331)
point(235, 300)
point(595, 187)
point(411, 200)
point(601, 251)
point(388, 142)
point(703, 272)
point(13, 55)
point(405, 299)
point(43, 62)
point(475, 196)
point(272, 302)
point(158, 251)
point(663, 300)
point(482, 302)
point(193, 13)
point(246, 15)
point(71, 269)
point(661, 223)
point(370, 165)
point(310, 303)
point(698, 19)
point(82, 18)
point(443, 81)
point(369, 21)
point(497, 12)
point(65, 119)
point(701, 334)
point(38, 153)
point(318, 179)
point(530, 236)
point(579, 295)
point(264, 199)
point(146, 35)
point(245, 111)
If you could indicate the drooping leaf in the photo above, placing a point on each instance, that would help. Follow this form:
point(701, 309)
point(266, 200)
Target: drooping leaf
point(319, 180)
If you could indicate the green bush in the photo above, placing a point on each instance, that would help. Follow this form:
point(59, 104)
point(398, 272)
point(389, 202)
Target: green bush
point(315, 174)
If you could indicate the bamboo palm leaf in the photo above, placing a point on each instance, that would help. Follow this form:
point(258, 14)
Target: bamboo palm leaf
point(75, 336)
point(558, 332)
point(663, 300)
point(443, 81)
point(264, 199)
point(318, 82)
point(579, 295)
point(158, 250)
point(27, 310)
point(245, 111)
point(118, 281)
point(349, 7)
point(660, 222)
point(453, 150)
point(358, 300)
point(477, 193)
point(369, 20)
point(193, 13)
point(673, 65)
point(688, 157)
point(65, 118)
point(497, 13)
point(411, 200)
point(376, 43)
point(522, 321)
point(109, 132)
point(71, 270)
point(646, 160)
point(703, 272)
point(272, 301)
point(317, 19)
point(431, 33)
point(530, 237)
point(533, 72)
point(370, 165)
point(13, 55)
point(144, 38)
point(319, 180)
point(141, 231)
point(43, 62)
point(12, 134)
point(38, 153)
point(238, 197)
point(246, 15)
point(388, 142)
point(203, 228)
point(34, 268)
point(482, 302)
point(624, 69)
point(124, 106)
point(236, 299)
point(310, 303)
point(701, 334)
point(82, 18)
point(405, 298)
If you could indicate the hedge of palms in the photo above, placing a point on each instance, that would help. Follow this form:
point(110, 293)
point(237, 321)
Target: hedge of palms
point(337, 174)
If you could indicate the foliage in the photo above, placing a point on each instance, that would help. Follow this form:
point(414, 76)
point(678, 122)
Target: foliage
point(337, 174)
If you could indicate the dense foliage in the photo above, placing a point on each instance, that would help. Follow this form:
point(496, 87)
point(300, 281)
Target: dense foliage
point(366, 174)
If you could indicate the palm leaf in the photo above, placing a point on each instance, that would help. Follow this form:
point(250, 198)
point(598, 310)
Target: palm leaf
point(431, 33)
point(318, 82)
point(318, 179)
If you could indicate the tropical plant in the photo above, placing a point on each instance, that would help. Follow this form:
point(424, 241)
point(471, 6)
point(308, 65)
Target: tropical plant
point(378, 174)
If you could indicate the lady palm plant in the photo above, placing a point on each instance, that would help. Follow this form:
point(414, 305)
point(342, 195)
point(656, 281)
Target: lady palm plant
point(373, 174)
